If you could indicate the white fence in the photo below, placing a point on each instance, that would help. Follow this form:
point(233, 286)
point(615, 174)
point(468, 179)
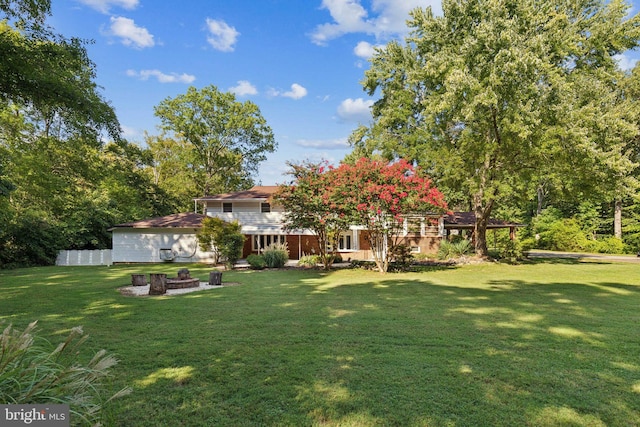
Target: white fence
point(74, 257)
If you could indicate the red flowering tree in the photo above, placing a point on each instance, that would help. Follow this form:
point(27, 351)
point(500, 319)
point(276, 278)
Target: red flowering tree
point(308, 204)
point(380, 196)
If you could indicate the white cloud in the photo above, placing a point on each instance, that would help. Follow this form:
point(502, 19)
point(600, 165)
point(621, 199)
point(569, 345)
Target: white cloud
point(130, 33)
point(221, 36)
point(356, 110)
point(326, 144)
point(365, 50)
point(244, 88)
point(162, 77)
point(625, 62)
point(104, 5)
point(297, 91)
point(387, 18)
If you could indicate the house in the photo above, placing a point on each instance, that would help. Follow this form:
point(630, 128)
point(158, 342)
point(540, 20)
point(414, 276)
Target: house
point(163, 239)
point(262, 222)
point(173, 238)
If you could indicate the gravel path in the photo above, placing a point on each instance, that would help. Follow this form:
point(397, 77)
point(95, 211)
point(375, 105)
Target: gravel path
point(144, 290)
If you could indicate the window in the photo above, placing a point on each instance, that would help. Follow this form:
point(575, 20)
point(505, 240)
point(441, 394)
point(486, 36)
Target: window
point(414, 226)
point(345, 242)
point(265, 207)
point(415, 249)
point(227, 207)
point(261, 241)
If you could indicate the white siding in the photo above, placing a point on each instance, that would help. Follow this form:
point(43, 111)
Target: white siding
point(215, 207)
point(143, 245)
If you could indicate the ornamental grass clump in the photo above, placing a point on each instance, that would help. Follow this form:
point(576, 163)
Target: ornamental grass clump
point(448, 250)
point(276, 255)
point(32, 373)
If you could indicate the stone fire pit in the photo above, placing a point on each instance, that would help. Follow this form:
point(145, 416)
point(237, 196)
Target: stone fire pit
point(184, 280)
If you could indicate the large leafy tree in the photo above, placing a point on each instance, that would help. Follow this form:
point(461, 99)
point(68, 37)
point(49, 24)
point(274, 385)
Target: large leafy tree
point(50, 77)
point(309, 204)
point(494, 94)
point(229, 138)
point(381, 196)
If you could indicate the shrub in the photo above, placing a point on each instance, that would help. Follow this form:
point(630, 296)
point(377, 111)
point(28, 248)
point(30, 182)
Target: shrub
point(29, 241)
point(563, 235)
point(402, 257)
point(609, 245)
point(30, 373)
point(256, 262)
point(336, 258)
point(309, 260)
point(276, 255)
point(365, 265)
point(510, 250)
point(449, 249)
point(223, 238)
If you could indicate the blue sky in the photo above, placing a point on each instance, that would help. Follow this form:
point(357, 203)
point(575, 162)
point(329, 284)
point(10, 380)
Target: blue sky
point(300, 61)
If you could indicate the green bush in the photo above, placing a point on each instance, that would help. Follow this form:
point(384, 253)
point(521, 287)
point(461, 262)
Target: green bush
point(256, 262)
point(563, 235)
point(223, 238)
point(609, 245)
point(32, 373)
point(457, 249)
point(336, 258)
point(309, 260)
point(402, 257)
point(276, 255)
point(510, 250)
point(29, 241)
point(365, 265)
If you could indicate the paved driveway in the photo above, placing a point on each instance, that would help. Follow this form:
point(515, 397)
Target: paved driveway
point(597, 257)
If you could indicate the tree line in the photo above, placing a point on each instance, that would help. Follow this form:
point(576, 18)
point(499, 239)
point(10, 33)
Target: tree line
point(515, 108)
point(66, 173)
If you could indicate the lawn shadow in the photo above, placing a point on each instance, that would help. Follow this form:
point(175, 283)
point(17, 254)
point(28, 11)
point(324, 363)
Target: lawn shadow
point(359, 348)
point(517, 352)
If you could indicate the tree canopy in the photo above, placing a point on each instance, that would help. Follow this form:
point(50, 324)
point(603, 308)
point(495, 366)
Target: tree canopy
point(308, 204)
point(227, 139)
point(374, 194)
point(49, 75)
point(494, 94)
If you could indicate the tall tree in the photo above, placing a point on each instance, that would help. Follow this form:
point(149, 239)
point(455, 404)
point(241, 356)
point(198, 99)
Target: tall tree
point(52, 78)
point(229, 138)
point(485, 94)
point(174, 168)
point(380, 197)
point(308, 204)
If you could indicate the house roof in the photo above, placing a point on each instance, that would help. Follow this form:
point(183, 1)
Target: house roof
point(255, 193)
point(468, 220)
point(180, 220)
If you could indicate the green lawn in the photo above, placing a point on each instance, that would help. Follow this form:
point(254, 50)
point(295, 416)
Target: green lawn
point(541, 344)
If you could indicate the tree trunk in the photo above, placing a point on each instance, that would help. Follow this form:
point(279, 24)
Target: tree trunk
point(540, 193)
point(138, 280)
point(158, 284)
point(482, 214)
point(215, 278)
point(617, 219)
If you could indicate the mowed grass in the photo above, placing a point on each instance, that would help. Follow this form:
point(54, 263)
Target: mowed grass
point(539, 344)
